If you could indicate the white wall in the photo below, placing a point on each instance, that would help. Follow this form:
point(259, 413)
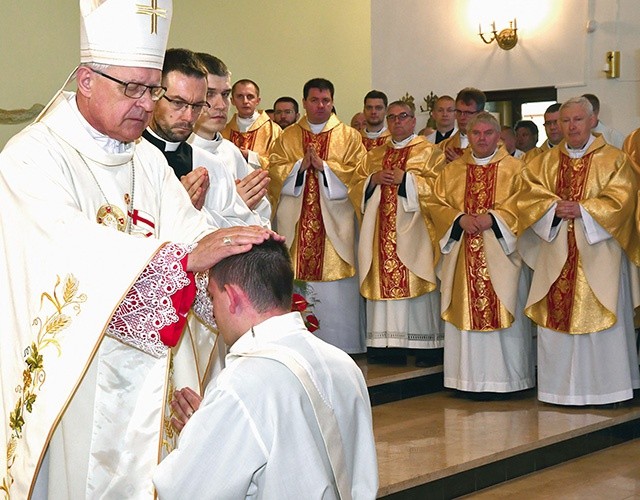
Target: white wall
point(279, 43)
point(420, 46)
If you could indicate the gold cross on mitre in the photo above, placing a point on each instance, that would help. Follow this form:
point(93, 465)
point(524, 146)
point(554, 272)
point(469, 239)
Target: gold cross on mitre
point(153, 11)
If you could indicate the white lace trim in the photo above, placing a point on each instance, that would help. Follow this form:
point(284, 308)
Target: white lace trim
point(147, 308)
point(202, 306)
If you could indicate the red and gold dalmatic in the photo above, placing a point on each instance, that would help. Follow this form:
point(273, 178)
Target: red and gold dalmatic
point(562, 296)
point(471, 294)
point(370, 144)
point(395, 251)
point(259, 137)
point(320, 231)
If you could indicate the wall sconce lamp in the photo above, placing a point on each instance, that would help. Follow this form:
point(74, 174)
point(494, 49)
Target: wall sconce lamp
point(506, 39)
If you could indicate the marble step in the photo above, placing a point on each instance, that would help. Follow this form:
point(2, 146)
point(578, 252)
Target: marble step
point(387, 383)
point(612, 473)
point(440, 445)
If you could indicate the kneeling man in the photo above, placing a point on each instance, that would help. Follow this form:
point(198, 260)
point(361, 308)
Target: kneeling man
point(289, 416)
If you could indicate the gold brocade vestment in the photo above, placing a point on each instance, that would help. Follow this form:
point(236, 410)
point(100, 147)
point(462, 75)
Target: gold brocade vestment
point(319, 230)
point(568, 298)
point(259, 137)
point(467, 188)
point(370, 144)
point(396, 250)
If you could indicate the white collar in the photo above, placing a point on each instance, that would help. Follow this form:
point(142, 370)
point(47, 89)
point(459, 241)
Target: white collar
point(316, 128)
point(108, 144)
point(270, 330)
point(402, 144)
point(168, 146)
point(579, 153)
point(483, 161)
point(374, 135)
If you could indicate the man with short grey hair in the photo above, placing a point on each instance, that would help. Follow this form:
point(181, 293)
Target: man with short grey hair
point(487, 340)
point(577, 213)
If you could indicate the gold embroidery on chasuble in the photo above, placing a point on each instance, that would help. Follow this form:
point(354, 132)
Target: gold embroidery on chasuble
point(169, 434)
point(369, 144)
point(484, 305)
point(311, 231)
point(244, 140)
point(65, 302)
point(570, 184)
point(394, 275)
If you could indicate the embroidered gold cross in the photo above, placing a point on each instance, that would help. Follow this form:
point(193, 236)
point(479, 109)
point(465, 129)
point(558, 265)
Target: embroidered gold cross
point(153, 11)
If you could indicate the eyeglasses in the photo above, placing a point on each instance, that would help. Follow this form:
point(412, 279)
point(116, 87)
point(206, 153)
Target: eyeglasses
point(284, 112)
point(460, 112)
point(180, 105)
point(136, 90)
point(401, 117)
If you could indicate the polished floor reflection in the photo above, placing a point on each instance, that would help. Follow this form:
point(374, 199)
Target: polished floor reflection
point(613, 473)
point(430, 438)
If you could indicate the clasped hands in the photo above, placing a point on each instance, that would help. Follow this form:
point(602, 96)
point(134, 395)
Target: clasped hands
point(388, 176)
point(475, 224)
point(566, 209)
point(311, 159)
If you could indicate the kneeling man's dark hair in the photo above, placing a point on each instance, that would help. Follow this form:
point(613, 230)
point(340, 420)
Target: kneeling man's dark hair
point(264, 273)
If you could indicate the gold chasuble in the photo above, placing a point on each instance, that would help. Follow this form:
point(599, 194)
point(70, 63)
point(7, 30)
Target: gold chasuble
point(452, 142)
point(538, 150)
point(631, 146)
point(369, 144)
point(395, 250)
point(320, 231)
point(479, 281)
point(574, 287)
point(259, 137)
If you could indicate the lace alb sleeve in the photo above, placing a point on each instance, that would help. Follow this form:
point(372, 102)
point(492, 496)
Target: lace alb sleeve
point(148, 306)
point(202, 305)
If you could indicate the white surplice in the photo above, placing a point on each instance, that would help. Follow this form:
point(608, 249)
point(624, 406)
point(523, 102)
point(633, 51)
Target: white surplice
point(234, 162)
point(255, 434)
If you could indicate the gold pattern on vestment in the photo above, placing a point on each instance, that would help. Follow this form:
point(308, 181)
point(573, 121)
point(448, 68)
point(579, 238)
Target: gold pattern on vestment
point(369, 144)
point(153, 11)
point(170, 435)
point(570, 183)
point(609, 197)
point(311, 232)
point(34, 374)
point(394, 275)
point(244, 140)
point(484, 305)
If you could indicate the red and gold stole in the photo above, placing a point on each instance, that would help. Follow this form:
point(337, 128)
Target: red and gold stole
point(394, 275)
point(311, 232)
point(244, 140)
point(484, 305)
point(369, 144)
point(572, 176)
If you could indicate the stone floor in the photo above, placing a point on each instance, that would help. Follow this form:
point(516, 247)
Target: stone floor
point(613, 474)
point(440, 445)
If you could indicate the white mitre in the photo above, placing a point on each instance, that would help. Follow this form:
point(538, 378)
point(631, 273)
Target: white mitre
point(129, 33)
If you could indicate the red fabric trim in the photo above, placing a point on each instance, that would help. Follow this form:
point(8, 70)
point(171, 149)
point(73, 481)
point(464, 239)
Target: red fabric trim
point(182, 301)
